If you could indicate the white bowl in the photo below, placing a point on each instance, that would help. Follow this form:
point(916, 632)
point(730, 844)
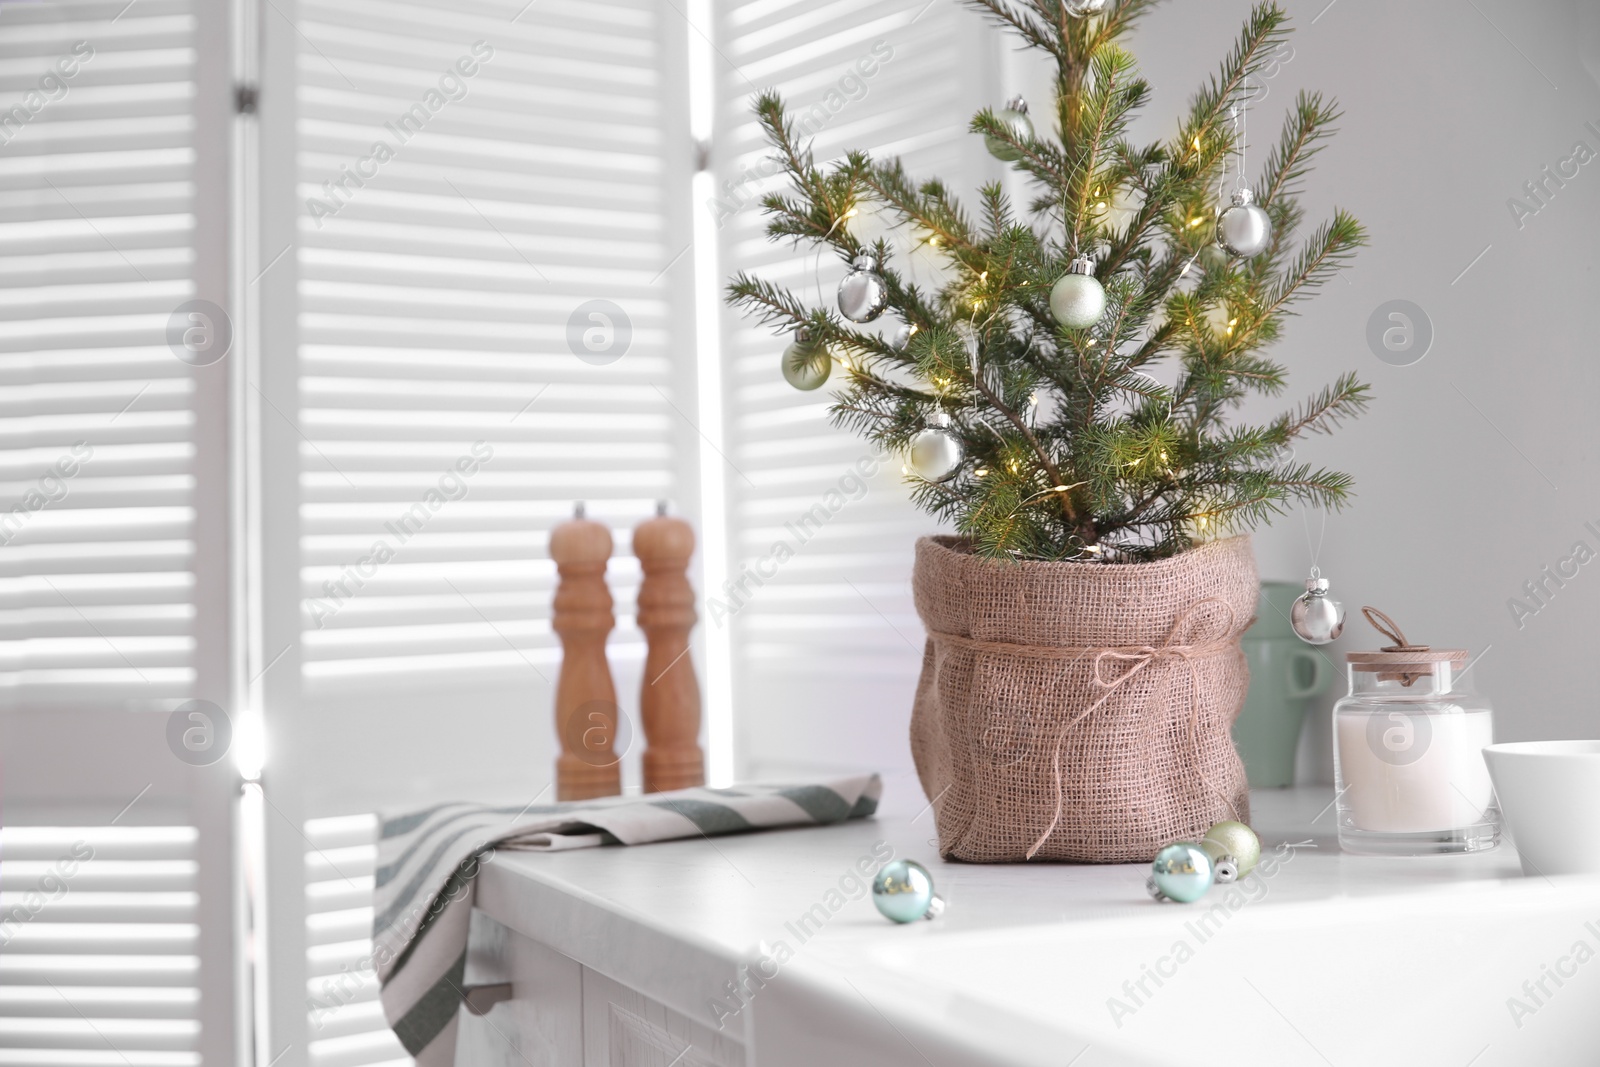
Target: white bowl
point(1550, 796)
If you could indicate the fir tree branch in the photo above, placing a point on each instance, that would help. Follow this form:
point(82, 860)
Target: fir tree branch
point(1263, 32)
point(929, 207)
point(773, 305)
point(1155, 204)
point(1025, 25)
point(781, 133)
point(1118, 19)
point(1101, 118)
point(1325, 254)
point(1033, 442)
point(1309, 123)
point(1323, 413)
point(1039, 158)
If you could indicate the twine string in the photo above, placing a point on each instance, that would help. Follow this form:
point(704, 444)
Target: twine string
point(1390, 629)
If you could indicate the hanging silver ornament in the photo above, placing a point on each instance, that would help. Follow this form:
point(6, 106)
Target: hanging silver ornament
point(1316, 617)
point(1015, 116)
point(1244, 229)
point(935, 452)
point(1077, 300)
point(902, 336)
point(806, 363)
point(863, 294)
point(1079, 8)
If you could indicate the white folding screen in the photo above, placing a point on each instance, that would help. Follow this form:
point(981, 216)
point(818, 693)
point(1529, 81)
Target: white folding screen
point(96, 252)
point(449, 423)
point(346, 1020)
point(465, 302)
point(488, 331)
point(481, 315)
point(825, 643)
point(117, 924)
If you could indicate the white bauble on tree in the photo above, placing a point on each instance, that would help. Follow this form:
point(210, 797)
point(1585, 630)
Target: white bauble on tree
point(1014, 115)
point(1244, 228)
point(1077, 300)
point(806, 363)
point(935, 452)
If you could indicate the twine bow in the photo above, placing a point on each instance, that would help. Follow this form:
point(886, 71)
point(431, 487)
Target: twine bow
point(1137, 658)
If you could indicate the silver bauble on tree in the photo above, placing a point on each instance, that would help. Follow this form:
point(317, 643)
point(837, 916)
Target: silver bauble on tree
point(1244, 228)
point(1077, 300)
point(806, 363)
point(863, 294)
point(935, 452)
point(1316, 617)
point(1079, 8)
point(1015, 116)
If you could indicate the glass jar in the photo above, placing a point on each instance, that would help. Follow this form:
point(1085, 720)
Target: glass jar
point(1408, 745)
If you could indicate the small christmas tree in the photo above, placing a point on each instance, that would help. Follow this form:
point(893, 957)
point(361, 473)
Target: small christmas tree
point(1042, 435)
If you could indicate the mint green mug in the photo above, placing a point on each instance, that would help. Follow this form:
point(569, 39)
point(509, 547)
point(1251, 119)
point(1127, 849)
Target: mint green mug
point(1285, 674)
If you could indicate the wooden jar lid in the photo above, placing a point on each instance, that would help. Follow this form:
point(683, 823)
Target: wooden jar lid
point(1419, 657)
point(1402, 660)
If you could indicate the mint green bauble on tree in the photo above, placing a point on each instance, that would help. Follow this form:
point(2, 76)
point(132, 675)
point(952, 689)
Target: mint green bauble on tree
point(1014, 116)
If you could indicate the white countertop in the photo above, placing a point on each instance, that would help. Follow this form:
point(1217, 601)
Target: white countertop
point(1330, 958)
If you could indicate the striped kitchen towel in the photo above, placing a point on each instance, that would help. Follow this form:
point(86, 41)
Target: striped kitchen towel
point(428, 862)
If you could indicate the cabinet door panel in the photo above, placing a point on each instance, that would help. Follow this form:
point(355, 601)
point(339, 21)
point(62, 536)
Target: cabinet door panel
point(622, 1028)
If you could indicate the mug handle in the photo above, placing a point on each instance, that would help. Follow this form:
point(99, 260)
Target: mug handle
point(1320, 674)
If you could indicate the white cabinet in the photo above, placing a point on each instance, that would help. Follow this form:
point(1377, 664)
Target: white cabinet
point(622, 1028)
point(542, 1024)
point(563, 1014)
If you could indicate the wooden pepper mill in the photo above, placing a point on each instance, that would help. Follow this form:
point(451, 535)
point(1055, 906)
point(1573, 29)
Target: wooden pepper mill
point(669, 700)
point(586, 697)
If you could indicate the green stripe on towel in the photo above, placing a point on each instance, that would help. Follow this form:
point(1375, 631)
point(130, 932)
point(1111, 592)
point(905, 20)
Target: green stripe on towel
point(818, 801)
point(707, 817)
point(433, 1010)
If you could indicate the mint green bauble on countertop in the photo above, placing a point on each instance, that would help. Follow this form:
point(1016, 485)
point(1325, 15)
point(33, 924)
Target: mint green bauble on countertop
point(1180, 872)
point(903, 892)
point(1238, 842)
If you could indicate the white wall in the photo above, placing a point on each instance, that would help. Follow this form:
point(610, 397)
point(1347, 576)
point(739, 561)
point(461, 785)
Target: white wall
point(1456, 507)
point(1444, 121)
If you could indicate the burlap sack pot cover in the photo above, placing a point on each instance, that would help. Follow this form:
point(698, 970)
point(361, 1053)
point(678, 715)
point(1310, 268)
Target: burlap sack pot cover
point(1080, 711)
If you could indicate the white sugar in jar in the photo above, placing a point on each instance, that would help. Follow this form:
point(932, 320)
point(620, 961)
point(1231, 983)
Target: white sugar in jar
point(1408, 744)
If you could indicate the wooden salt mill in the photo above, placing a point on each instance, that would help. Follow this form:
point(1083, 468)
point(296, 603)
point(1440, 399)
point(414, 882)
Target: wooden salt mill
point(669, 698)
point(586, 698)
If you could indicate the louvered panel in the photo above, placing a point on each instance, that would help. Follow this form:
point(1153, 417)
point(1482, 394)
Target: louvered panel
point(97, 421)
point(829, 644)
point(98, 945)
point(435, 299)
point(346, 1021)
